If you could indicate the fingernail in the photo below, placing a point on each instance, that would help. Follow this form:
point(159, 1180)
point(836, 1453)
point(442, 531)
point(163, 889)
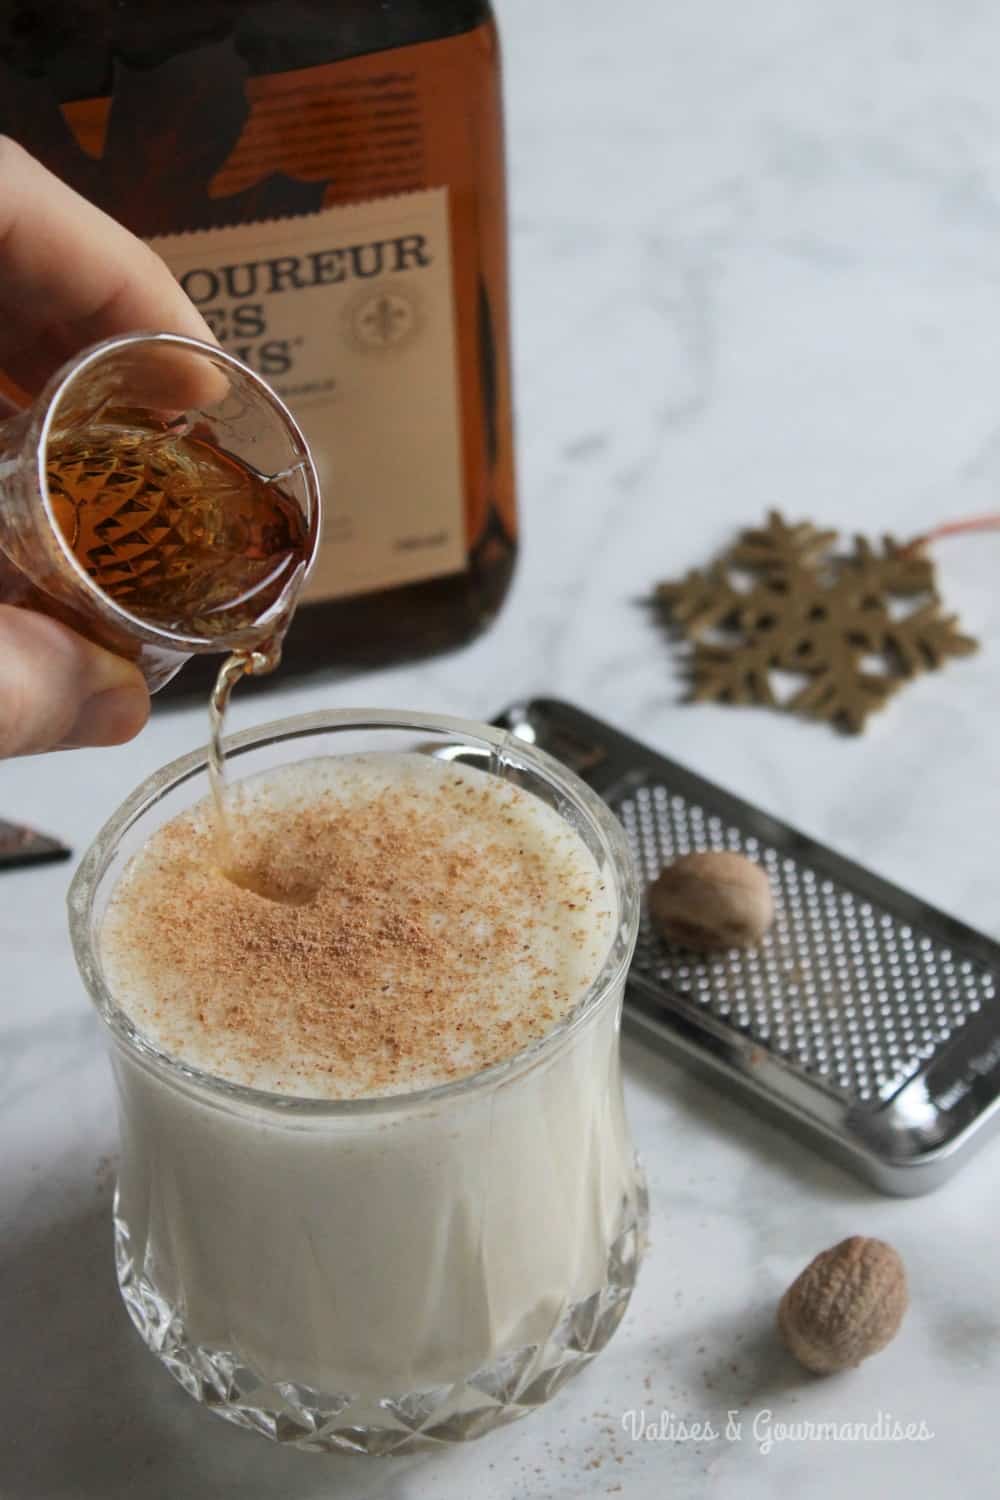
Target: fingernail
point(109, 718)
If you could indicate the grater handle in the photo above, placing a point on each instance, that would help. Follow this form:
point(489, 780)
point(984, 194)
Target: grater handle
point(960, 1089)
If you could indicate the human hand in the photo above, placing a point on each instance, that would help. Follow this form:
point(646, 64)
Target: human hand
point(69, 276)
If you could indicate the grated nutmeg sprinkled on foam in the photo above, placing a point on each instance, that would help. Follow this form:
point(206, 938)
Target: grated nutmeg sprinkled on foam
point(430, 920)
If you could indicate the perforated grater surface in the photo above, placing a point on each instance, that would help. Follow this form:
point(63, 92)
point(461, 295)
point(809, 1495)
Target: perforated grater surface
point(866, 1020)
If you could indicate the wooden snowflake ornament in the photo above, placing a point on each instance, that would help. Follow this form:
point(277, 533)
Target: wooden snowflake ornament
point(782, 599)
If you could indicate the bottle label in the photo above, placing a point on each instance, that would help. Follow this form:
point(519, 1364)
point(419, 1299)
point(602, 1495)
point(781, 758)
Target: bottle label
point(348, 314)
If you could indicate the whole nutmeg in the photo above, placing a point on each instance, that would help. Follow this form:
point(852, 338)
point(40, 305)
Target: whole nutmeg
point(712, 900)
point(847, 1304)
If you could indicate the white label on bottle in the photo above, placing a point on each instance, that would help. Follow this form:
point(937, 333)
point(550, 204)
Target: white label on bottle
point(348, 313)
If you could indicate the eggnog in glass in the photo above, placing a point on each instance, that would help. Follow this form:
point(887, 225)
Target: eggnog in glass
point(376, 1186)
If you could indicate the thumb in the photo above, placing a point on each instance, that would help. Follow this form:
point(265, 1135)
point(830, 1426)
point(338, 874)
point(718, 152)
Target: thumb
point(59, 691)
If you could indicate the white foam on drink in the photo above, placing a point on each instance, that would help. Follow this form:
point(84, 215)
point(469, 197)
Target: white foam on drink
point(435, 920)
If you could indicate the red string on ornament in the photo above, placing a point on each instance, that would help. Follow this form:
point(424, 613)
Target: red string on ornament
point(954, 528)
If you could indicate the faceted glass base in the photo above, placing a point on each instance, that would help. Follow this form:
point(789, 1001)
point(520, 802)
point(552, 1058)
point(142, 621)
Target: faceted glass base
point(318, 1421)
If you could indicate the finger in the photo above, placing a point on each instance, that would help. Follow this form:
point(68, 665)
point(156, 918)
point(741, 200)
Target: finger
point(70, 275)
point(59, 690)
point(165, 378)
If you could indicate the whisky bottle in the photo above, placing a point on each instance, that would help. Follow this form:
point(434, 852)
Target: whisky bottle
point(326, 180)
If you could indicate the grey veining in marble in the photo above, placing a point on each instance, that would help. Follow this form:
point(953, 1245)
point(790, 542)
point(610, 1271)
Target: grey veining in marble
point(756, 254)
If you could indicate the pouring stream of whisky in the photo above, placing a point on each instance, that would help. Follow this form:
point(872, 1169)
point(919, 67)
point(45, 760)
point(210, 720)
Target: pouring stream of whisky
point(265, 659)
point(232, 669)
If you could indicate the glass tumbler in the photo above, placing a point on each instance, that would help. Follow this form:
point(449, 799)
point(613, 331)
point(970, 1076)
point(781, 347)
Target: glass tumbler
point(375, 1274)
point(183, 386)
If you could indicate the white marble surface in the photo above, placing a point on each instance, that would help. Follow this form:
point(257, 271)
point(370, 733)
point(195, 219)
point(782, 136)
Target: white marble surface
point(756, 252)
